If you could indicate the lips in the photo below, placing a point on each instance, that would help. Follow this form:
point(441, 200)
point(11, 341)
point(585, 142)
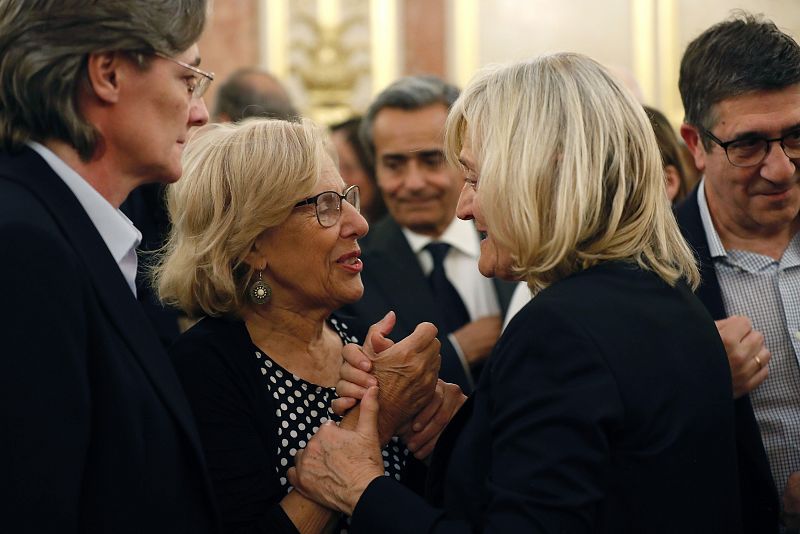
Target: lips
point(351, 261)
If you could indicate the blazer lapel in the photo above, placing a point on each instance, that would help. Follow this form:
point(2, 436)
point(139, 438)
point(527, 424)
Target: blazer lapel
point(691, 225)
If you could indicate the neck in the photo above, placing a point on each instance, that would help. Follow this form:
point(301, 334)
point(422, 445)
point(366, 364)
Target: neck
point(99, 172)
point(301, 342)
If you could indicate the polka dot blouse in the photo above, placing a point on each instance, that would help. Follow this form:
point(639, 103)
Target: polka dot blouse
point(302, 407)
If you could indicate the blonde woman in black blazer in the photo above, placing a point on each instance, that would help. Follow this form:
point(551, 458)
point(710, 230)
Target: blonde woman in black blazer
point(607, 403)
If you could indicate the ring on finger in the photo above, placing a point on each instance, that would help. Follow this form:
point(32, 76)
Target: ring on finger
point(758, 361)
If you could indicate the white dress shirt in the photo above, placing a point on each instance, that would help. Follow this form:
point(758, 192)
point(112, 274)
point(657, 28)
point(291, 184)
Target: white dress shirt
point(461, 268)
point(118, 232)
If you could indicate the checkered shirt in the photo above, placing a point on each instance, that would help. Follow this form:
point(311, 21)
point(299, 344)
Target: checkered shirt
point(768, 292)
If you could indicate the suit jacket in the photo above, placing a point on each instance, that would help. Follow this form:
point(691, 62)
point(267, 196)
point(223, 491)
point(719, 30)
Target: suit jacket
point(393, 280)
point(760, 504)
point(97, 435)
point(605, 408)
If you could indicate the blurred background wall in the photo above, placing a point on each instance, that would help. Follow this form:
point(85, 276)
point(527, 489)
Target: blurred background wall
point(335, 55)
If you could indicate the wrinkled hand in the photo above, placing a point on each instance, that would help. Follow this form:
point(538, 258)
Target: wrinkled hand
point(791, 501)
point(477, 338)
point(421, 435)
point(748, 357)
point(406, 372)
point(337, 465)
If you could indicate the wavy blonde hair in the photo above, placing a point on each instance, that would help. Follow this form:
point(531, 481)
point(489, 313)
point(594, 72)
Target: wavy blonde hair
point(570, 172)
point(238, 181)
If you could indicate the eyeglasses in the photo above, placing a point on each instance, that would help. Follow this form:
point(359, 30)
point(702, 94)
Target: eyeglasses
point(751, 151)
point(329, 204)
point(197, 84)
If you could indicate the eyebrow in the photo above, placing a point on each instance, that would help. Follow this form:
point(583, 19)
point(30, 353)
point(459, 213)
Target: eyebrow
point(750, 134)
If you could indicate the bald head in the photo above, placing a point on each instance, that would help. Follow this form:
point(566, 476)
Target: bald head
point(253, 93)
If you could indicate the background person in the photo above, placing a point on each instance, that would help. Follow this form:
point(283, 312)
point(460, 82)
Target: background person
point(97, 434)
point(740, 85)
point(264, 245)
point(356, 168)
point(669, 146)
point(422, 259)
point(592, 415)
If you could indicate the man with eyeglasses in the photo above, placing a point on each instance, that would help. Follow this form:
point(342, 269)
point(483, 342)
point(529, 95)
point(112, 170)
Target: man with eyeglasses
point(740, 85)
point(96, 99)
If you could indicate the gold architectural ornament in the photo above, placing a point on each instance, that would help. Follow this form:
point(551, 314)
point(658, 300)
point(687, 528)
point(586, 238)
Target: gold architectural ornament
point(327, 60)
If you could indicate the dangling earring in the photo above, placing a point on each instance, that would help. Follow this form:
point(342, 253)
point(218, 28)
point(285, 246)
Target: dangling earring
point(260, 292)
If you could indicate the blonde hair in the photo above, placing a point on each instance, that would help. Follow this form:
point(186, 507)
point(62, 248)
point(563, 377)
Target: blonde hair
point(570, 172)
point(238, 181)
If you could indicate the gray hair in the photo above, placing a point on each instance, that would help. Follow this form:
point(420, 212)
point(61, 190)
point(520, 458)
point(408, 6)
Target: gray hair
point(408, 93)
point(43, 49)
point(240, 100)
point(741, 54)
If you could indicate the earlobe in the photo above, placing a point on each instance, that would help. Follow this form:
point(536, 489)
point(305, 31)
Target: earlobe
point(256, 258)
point(692, 139)
point(103, 72)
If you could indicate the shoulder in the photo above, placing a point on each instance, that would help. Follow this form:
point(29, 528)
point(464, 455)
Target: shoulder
point(210, 339)
point(384, 232)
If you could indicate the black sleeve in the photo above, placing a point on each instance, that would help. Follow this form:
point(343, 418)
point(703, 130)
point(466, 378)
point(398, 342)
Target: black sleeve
point(45, 413)
point(233, 421)
point(553, 404)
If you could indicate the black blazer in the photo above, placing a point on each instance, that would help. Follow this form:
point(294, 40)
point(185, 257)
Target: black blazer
point(393, 280)
point(96, 433)
point(760, 504)
point(605, 408)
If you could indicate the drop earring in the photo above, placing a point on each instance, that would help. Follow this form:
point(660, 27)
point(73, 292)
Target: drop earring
point(260, 291)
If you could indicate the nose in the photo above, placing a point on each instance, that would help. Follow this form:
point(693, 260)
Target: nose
point(354, 225)
point(415, 177)
point(198, 112)
point(777, 167)
point(464, 207)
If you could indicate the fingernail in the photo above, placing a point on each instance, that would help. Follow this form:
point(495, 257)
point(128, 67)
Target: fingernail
point(364, 365)
point(373, 381)
point(416, 427)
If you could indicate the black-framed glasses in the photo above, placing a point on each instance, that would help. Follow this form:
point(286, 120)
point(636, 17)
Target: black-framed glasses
point(750, 151)
point(199, 83)
point(328, 204)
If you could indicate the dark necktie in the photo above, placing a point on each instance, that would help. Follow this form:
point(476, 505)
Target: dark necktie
point(452, 310)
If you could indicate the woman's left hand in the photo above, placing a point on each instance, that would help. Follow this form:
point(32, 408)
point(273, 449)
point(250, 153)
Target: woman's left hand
point(337, 465)
point(421, 435)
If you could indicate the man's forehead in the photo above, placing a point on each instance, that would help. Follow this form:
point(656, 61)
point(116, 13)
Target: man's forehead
point(759, 111)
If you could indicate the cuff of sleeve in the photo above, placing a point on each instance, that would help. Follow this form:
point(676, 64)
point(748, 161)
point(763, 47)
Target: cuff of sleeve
point(464, 363)
point(389, 507)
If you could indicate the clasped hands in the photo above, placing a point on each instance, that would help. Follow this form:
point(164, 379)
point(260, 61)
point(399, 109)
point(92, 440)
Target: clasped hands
point(400, 394)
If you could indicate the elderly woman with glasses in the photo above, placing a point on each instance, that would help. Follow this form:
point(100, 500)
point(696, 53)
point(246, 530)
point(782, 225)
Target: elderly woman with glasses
point(592, 415)
point(264, 247)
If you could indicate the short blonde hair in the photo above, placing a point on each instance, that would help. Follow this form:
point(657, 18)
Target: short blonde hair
point(238, 181)
point(570, 172)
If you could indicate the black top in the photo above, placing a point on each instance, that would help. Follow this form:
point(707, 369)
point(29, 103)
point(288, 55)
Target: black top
point(253, 416)
point(605, 408)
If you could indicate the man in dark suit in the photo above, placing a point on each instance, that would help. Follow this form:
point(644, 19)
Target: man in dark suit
point(96, 98)
point(740, 85)
point(403, 130)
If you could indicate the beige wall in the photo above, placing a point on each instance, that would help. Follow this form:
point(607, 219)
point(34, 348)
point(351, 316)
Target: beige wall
point(452, 38)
